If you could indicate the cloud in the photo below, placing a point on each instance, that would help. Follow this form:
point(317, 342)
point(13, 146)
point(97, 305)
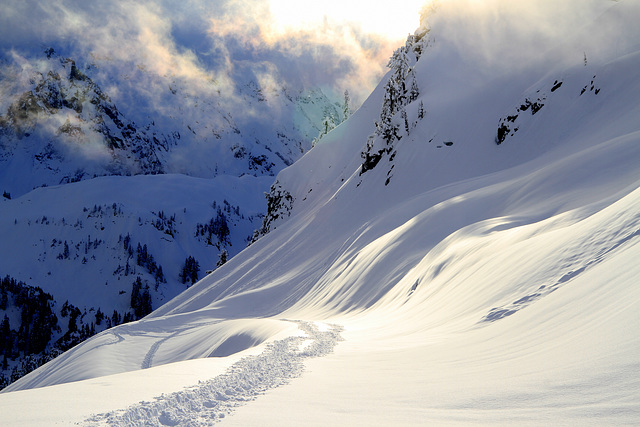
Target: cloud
point(190, 67)
point(330, 54)
point(207, 47)
point(198, 40)
point(515, 35)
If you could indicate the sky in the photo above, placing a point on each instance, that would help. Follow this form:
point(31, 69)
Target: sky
point(384, 18)
point(331, 44)
point(142, 47)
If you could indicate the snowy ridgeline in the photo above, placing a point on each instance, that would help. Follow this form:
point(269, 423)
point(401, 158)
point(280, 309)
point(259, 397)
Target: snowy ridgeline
point(476, 238)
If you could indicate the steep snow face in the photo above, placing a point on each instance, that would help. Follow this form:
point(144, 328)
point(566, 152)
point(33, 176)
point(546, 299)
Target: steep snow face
point(451, 168)
point(483, 267)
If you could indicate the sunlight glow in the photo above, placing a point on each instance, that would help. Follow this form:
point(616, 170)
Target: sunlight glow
point(390, 19)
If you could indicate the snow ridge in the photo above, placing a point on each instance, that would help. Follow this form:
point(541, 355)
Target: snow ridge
point(211, 401)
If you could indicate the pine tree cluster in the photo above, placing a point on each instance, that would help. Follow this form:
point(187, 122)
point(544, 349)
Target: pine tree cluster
point(26, 339)
point(165, 224)
point(216, 231)
point(143, 258)
point(37, 319)
point(38, 334)
point(222, 258)
point(190, 270)
point(140, 299)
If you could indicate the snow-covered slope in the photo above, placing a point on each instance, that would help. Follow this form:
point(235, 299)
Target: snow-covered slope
point(95, 119)
point(199, 216)
point(110, 249)
point(451, 271)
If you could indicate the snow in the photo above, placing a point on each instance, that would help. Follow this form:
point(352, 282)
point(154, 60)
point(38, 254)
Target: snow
point(252, 376)
point(95, 277)
point(482, 284)
point(108, 393)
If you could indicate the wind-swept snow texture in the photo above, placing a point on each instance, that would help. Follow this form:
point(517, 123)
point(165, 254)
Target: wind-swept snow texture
point(483, 263)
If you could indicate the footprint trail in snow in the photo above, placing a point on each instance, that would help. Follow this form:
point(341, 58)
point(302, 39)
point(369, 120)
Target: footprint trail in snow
point(214, 399)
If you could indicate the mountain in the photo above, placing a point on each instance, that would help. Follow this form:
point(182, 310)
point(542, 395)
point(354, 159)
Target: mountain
point(108, 202)
point(58, 122)
point(89, 245)
point(460, 250)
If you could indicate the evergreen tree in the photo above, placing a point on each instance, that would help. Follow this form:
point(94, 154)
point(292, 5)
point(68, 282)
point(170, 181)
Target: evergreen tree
point(145, 303)
point(116, 319)
point(74, 312)
point(385, 127)
point(414, 92)
point(65, 251)
point(220, 228)
point(4, 298)
point(140, 299)
point(346, 106)
point(135, 293)
point(399, 63)
point(328, 124)
point(6, 340)
point(160, 277)
point(23, 334)
point(128, 317)
point(222, 258)
point(141, 258)
point(403, 114)
point(126, 243)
